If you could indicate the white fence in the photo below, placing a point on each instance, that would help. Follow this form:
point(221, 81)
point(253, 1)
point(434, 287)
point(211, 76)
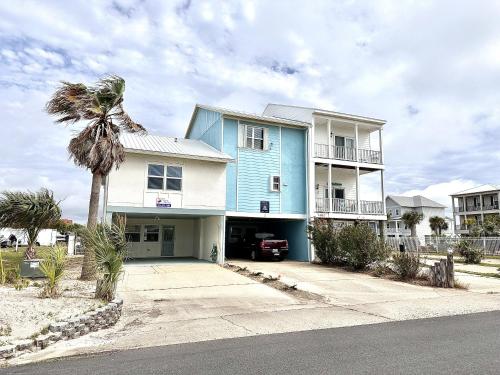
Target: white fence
point(490, 245)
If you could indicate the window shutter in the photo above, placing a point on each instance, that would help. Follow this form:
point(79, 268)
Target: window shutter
point(271, 183)
point(266, 139)
point(242, 131)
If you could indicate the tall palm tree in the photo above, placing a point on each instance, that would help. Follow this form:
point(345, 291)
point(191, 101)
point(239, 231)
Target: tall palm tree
point(438, 224)
point(30, 212)
point(412, 219)
point(97, 147)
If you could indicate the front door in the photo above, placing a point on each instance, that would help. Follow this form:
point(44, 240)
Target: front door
point(167, 248)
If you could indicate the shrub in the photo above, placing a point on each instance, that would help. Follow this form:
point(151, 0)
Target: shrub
point(3, 276)
point(324, 239)
point(407, 265)
point(359, 246)
point(471, 253)
point(108, 243)
point(53, 268)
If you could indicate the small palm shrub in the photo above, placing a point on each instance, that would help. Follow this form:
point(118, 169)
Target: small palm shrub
point(325, 241)
point(3, 275)
point(53, 266)
point(471, 253)
point(360, 246)
point(407, 265)
point(108, 244)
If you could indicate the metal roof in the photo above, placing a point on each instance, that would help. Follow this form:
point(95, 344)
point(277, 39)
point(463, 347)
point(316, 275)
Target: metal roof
point(479, 189)
point(416, 201)
point(245, 116)
point(170, 146)
point(304, 114)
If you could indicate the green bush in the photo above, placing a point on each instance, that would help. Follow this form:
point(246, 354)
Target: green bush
point(359, 246)
point(471, 253)
point(53, 268)
point(407, 265)
point(324, 239)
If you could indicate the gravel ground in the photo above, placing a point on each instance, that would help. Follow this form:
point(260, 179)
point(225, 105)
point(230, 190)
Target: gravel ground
point(27, 314)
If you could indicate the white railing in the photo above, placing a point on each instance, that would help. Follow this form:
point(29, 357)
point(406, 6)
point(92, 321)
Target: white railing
point(347, 153)
point(349, 206)
point(404, 232)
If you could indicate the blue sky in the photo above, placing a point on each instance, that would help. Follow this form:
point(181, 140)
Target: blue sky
point(431, 69)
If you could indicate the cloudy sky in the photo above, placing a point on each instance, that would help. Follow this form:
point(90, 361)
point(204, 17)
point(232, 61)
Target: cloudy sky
point(431, 69)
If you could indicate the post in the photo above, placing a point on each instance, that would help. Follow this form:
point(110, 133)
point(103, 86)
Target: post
point(329, 188)
point(329, 128)
point(442, 272)
point(382, 190)
point(357, 141)
point(450, 272)
point(380, 146)
point(358, 205)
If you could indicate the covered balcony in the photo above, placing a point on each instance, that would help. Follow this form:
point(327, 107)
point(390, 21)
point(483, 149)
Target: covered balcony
point(479, 202)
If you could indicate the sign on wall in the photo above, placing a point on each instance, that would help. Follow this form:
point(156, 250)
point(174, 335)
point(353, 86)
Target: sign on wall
point(264, 206)
point(163, 203)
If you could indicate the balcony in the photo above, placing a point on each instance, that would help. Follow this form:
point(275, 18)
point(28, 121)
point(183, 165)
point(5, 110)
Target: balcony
point(348, 206)
point(347, 153)
point(489, 207)
point(399, 231)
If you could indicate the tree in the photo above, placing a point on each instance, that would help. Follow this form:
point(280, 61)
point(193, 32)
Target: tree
point(438, 224)
point(97, 147)
point(411, 219)
point(30, 212)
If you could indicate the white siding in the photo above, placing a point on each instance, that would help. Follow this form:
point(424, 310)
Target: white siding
point(345, 177)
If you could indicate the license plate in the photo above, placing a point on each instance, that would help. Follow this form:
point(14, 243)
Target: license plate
point(276, 251)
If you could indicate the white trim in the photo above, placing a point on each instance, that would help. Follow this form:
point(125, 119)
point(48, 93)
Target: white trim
point(348, 163)
point(259, 215)
point(222, 133)
point(237, 168)
point(179, 156)
point(336, 215)
point(280, 175)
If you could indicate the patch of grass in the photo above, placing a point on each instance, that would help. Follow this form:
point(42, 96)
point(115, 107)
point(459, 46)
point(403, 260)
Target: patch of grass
point(485, 274)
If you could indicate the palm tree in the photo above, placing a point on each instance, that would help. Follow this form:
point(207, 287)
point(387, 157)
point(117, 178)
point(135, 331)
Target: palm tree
point(97, 147)
point(411, 219)
point(30, 212)
point(438, 224)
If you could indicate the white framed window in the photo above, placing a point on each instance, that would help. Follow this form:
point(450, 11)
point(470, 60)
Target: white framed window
point(255, 137)
point(397, 212)
point(151, 233)
point(275, 183)
point(161, 177)
point(133, 233)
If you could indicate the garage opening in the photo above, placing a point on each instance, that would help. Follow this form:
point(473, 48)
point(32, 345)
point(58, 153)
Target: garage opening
point(240, 231)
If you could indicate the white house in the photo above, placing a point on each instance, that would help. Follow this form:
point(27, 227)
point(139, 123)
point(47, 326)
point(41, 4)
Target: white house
point(396, 207)
point(172, 192)
point(477, 203)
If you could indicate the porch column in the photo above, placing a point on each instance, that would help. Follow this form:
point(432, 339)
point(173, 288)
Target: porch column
point(358, 205)
point(312, 172)
point(329, 128)
point(481, 207)
point(380, 146)
point(382, 191)
point(330, 197)
point(357, 141)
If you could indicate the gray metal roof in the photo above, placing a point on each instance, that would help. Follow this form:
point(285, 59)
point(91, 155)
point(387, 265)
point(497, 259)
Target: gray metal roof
point(416, 201)
point(305, 114)
point(479, 189)
point(170, 146)
point(246, 116)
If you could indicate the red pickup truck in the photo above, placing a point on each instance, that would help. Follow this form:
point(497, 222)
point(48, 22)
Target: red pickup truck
point(264, 245)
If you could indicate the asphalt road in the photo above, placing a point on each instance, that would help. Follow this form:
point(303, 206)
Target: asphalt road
point(466, 344)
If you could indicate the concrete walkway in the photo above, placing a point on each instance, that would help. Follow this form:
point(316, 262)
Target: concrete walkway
point(171, 303)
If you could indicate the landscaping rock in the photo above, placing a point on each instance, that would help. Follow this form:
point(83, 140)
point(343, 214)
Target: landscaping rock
point(42, 341)
point(7, 351)
point(23, 344)
point(58, 327)
point(84, 319)
point(69, 332)
point(74, 322)
point(118, 301)
point(55, 336)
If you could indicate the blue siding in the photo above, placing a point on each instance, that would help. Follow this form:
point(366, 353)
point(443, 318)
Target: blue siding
point(293, 171)
point(254, 170)
point(231, 148)
point(295, 231)
point(207, 127)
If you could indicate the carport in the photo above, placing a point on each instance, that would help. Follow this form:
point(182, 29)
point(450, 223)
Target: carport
point(293, 230)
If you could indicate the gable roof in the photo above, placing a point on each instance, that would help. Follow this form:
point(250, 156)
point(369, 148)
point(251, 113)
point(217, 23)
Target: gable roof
point(170, 146)
point(415, 201)
point(479, 189)
point(305, 114)
point(245, 116)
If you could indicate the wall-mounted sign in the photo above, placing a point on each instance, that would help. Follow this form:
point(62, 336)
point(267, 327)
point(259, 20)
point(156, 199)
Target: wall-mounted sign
point(264, 206)
point(163, 203)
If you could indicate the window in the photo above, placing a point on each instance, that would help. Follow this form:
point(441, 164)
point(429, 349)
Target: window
point(397, 212)
point(133, 233)
point(151, 233)
point(155, 176)
point(174, 178)
point(158, 174)
point(255, 138)
point(275, 183)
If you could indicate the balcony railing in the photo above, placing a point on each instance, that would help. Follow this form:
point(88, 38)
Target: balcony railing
point(473, 207)
point(347, 153)
point(349, 206)
point(488, 207)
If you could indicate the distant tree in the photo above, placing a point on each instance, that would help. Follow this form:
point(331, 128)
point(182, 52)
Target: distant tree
point(438, 224)
point(97, 147)
point(412, 219)
point(30, 212)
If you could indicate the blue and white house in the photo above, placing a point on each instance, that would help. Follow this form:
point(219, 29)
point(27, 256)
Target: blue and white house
point(237, 172)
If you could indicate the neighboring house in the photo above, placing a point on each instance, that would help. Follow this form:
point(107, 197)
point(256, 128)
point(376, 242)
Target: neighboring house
point(477, 203)
point(342, 150)
point(396, 207)
point(173, 194)
point(46, 237)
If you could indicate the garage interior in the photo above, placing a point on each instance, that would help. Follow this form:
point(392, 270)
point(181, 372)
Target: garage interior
point(292, 230)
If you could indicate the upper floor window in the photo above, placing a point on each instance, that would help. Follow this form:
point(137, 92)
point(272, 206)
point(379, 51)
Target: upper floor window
point(255, 137)
point(397, 212)
point(161, 178)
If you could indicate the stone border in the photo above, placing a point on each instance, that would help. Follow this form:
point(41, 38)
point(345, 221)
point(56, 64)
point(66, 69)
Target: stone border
point(92, 321)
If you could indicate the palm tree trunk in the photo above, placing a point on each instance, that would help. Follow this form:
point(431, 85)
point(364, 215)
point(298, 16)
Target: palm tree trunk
point(88, 266)
point(30, 252)
point(413, 231)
